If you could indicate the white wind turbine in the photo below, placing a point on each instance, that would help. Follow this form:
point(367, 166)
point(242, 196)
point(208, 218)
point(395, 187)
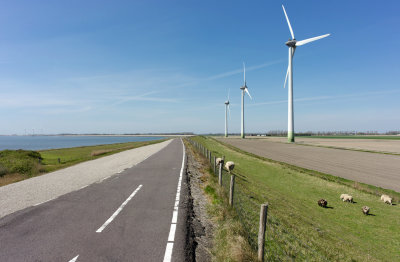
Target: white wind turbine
point(227, 109)
point(244, 89)
point(292, 44)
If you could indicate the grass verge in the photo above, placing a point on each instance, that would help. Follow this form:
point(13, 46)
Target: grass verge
point(17, 165)
point(297, 227)
point(229, 243)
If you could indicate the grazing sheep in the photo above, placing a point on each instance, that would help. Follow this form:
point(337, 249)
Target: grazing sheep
point(342, 196)
point(218, 161)
point(322, 202)
point(348, 198)
point(386, 199)
point(365, 210)
point(230, 166)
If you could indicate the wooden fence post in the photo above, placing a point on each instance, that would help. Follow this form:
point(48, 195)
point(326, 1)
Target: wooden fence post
point(261, 231)
point(214, 166)
point(231, 190)
point(220, 174)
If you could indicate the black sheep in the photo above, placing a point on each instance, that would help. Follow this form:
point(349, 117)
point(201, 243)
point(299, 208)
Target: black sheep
point(322, 202)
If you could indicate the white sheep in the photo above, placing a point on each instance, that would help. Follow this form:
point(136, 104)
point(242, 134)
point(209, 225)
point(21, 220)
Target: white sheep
point(342, 196)
point(365, 210)
point(386, 199)
point(347, 198)
point(219, 161)
point(230, 165)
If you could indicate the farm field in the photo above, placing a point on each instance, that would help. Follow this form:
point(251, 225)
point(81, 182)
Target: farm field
point(372, 144)
point(370, 168)
point(297, 227)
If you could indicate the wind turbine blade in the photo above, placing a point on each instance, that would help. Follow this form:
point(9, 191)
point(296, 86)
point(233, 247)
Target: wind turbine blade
point(229, 111)
point(288, 22)
point(306, 41)
point(287, 73)
point(229, 91)
point(247, 91)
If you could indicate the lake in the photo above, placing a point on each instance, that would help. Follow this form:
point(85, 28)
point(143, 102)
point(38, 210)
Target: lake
point(51, 142)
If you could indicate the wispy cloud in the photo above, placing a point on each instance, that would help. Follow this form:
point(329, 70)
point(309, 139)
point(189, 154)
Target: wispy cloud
point(33, 100)
point(144, 97)
point(240, 71)
point(65, 110)
point(321, 98)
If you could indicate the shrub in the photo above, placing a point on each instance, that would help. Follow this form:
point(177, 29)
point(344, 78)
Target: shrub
point(19, 161)
point(100, 152)
point(3, 170)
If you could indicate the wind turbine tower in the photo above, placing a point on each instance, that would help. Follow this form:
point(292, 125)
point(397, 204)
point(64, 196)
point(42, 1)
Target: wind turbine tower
point(292, 44)
point(226, 114)
point(244, 89)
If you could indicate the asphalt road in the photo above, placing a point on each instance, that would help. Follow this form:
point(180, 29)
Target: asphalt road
point(127, 217)
point(371, 168)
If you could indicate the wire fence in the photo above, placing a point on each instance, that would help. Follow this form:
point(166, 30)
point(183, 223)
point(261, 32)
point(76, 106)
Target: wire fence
point(280, 243)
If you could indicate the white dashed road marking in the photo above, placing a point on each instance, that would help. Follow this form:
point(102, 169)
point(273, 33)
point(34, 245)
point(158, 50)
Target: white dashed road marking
point(74, 259)
point(171, 236)
point(118, 210)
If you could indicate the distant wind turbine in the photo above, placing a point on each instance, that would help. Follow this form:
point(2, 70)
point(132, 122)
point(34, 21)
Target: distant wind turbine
point(292, 44)
point(227, 109)
point(244, 89)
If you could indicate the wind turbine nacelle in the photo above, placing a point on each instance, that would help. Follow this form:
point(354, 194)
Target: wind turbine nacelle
point(291, 43)
point(227, 103)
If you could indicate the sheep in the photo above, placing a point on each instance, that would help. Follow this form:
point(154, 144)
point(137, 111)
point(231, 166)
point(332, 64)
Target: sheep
point(322, 203)
point(219, 161)
point(348, 198)
point(230, 165)
point(365, 210)
point(386, 199)
point(342, 196)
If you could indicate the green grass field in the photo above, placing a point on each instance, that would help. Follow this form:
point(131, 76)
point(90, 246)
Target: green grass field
point(17, 165)
point(297, 227)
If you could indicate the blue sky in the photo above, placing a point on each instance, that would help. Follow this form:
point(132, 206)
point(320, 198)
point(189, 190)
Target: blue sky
point(167, 66)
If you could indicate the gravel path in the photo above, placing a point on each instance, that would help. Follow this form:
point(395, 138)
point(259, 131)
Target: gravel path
point(40, 189)
point(370, 168)
point(379, 145)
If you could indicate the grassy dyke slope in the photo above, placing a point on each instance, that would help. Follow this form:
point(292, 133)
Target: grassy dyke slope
point(17, 165)
point(297, 227)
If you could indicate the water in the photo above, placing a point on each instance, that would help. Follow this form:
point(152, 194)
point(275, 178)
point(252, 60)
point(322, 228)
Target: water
point(51, 142)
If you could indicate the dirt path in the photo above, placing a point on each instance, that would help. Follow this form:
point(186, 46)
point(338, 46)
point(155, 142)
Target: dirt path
point(378, 145)
point(370, 168)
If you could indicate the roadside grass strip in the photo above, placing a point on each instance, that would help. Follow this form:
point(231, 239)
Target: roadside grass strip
point(174, 221)
point(118, 210)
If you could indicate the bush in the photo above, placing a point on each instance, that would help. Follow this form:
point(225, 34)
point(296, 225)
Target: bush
point(3, 170)
point(19, 161)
